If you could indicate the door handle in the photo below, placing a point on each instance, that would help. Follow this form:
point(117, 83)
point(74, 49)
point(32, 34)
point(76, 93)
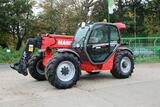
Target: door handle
point(98, 47)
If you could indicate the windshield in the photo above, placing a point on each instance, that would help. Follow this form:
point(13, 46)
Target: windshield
point(81, 32)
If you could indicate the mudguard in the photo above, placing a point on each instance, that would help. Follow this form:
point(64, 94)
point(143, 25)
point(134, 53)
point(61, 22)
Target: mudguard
point(69, 51)
point(125, 48)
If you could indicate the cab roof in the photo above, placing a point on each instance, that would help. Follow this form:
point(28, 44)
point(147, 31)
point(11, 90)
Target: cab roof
point(119, 25)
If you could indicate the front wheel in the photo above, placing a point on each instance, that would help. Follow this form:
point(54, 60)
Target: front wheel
point(63, 70)
point(123, 65)
point(36, 68)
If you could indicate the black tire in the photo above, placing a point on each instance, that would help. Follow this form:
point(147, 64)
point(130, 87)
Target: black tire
point(36, 68)
point(119, 65)
point(52, 72)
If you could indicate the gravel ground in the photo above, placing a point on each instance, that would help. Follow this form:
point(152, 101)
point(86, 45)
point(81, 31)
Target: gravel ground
point(102, 90)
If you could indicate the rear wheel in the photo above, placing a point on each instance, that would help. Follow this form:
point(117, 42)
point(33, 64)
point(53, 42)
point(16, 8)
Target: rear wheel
point(36, 68)
point(123, 65)
point(63, 70)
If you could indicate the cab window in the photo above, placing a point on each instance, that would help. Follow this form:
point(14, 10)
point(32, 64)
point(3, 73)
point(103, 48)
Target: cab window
point(114, 35)
point(99, 34)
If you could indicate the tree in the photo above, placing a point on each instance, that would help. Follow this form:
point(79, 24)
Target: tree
point(15, 19)
point(4, 28)
point(60, 16)
point(21, 16)
point(152, 17)
point(100, 12)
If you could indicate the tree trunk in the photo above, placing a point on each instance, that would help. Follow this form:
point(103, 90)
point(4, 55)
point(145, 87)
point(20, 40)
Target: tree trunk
point(19, 43)
point(120, 10)
point(19, 38)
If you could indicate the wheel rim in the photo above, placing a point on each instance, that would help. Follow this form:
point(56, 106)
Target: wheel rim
point(125, 65)
point(40, 67)
point(65, 71)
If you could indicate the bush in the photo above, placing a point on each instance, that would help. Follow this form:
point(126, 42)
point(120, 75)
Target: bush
point(9, 57)
point(148, 59)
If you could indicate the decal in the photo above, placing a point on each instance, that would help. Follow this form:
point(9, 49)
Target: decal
point(64, 42)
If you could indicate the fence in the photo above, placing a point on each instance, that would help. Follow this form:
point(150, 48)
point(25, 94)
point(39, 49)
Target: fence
point(144, 48)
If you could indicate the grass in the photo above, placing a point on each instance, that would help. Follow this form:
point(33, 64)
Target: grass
point(9, 57)
point(147, 59)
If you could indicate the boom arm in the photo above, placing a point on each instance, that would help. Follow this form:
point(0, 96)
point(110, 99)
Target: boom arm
point(46, 43)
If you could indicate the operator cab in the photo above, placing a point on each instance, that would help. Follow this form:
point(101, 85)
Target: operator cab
point(96, 41)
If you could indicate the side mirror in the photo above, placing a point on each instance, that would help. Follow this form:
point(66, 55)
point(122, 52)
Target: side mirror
point(83, 24)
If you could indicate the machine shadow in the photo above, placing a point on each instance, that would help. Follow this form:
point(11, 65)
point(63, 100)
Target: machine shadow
point(100, 76)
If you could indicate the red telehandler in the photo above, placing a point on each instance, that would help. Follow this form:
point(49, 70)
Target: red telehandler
point(95, 46)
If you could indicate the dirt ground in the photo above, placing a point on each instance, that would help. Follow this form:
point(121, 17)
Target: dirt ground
point(142, 89)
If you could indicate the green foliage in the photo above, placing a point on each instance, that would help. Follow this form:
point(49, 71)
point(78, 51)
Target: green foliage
point(152, 17)
point(11, 57)
point(53, 19)
point(150, 59)
point(4, 7)
point(62, 16)
point(140, 16)
point(15, 19)
point(3, 38)
point(100, 12)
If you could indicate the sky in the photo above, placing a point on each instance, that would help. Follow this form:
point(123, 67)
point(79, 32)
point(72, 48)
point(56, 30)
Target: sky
point(36, 9)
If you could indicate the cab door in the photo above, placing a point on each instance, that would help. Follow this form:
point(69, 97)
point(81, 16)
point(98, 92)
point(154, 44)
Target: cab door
point(101, 42)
